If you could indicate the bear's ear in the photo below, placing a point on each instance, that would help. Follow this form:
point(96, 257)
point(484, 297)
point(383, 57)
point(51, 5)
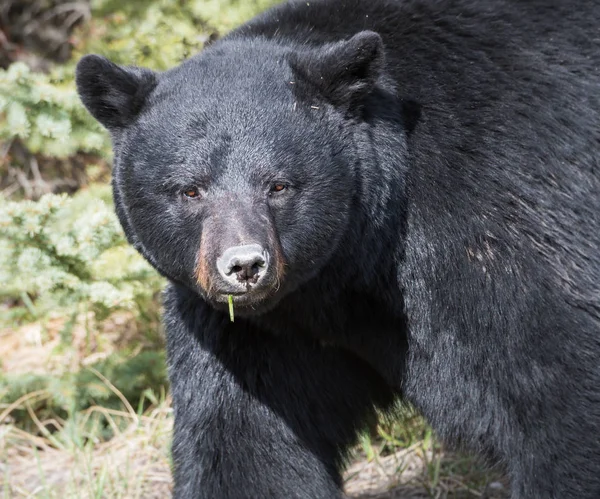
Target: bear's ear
point(111, 93)
point(342, 72)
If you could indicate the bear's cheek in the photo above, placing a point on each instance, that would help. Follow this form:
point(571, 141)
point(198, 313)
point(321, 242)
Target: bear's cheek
point(312, 236)
point(168, 235)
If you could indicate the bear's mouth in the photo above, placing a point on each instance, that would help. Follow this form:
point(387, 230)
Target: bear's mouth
point(248, 299)
point(247, 303)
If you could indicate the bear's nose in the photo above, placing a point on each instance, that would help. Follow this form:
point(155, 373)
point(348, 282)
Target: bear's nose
point(245, 264)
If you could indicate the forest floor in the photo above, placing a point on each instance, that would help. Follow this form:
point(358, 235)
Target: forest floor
point(135, 464)
point(50, 457)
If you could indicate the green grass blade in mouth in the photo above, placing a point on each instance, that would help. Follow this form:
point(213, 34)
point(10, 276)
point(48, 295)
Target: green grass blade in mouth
point(230, 301)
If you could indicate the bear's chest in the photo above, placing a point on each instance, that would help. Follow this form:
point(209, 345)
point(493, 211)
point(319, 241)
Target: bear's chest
point(371, 327)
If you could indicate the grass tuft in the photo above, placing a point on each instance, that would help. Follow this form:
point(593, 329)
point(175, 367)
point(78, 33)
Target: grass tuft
point(134, 463)
point(230, 301)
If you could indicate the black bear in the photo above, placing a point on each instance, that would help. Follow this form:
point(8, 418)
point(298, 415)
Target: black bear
point(401, 199)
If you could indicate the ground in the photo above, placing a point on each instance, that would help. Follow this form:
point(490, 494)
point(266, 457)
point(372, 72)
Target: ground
point(135, 464)
point(59, 459)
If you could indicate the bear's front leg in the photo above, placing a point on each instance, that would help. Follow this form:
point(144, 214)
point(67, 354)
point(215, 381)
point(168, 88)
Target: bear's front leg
point(258, 415)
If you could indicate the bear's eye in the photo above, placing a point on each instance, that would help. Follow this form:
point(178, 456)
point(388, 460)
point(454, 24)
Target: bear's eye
point(278, 187)
point(191, 192)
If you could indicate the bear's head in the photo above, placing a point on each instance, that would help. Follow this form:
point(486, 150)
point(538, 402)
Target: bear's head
point(237, 172)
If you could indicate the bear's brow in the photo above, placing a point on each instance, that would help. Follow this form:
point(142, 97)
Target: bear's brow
point(183, 177)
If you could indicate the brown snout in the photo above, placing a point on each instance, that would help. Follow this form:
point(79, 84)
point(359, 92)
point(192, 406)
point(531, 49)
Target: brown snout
point(239, 251)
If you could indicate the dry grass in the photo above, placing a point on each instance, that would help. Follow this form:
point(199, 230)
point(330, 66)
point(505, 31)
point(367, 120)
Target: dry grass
point(68, 459)
point(404, 460)
point(420, 472)
point(133, 464)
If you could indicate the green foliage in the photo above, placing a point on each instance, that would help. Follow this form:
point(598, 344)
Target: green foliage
point(68, 256)
point(160, 34)
point(138, 378)
point(45, 113)
point(157, 35)
point(70, 253)
point(213, 17)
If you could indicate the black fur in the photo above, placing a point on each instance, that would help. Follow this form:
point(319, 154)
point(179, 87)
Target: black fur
point(112, 94)
point(437, 239)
